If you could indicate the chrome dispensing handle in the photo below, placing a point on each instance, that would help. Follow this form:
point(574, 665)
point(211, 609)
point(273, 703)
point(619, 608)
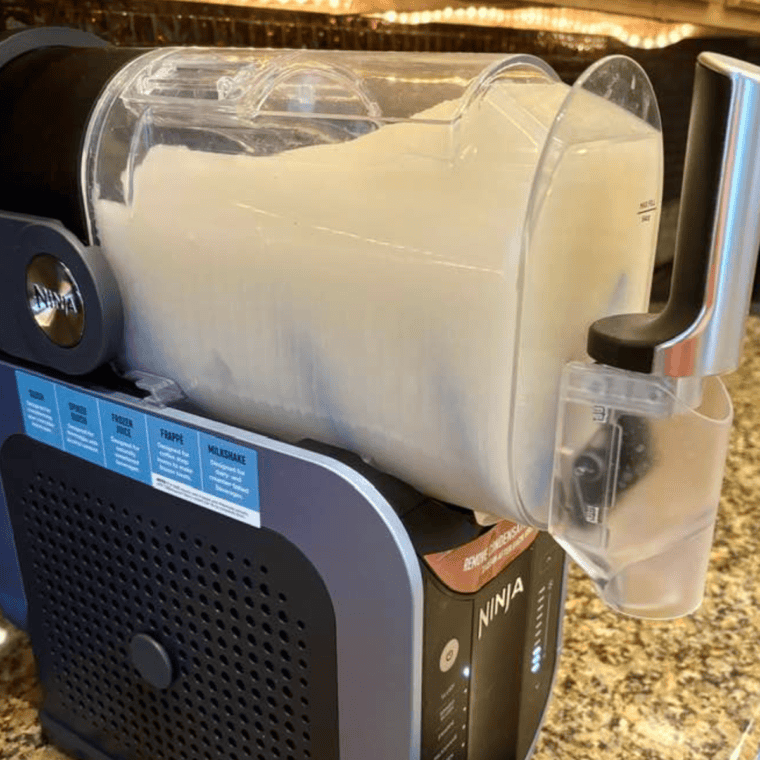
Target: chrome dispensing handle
point(700, 331)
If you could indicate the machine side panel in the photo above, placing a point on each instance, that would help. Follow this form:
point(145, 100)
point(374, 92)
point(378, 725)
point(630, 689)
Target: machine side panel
point(243, 618)
point(375, 583)
point(334, 516)
point(12, 598)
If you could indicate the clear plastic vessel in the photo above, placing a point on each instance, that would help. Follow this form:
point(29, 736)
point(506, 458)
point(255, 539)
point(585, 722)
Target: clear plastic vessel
point(393, 253)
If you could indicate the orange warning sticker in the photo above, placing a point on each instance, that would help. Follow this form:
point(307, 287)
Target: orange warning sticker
point(468, 568)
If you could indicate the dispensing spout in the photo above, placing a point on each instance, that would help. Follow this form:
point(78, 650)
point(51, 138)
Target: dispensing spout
point(642, 435)
point(701, 329)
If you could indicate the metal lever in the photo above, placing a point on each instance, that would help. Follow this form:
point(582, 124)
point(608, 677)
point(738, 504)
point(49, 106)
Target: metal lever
point(700, 331)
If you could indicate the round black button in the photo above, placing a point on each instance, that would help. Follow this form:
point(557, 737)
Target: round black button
point(151, 661)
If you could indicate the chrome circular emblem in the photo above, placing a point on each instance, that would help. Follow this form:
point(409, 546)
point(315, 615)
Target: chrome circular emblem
point(54, 300)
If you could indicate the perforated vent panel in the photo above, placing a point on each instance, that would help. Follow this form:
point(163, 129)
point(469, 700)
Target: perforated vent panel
point(243, 615)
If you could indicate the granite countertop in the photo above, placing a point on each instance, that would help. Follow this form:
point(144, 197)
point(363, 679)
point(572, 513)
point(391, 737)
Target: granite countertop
point(625, 689)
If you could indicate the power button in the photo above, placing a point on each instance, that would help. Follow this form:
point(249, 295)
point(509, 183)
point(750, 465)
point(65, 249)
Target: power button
point(449, 655)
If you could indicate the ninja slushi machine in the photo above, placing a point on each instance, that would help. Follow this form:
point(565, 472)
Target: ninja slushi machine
point(313, 367)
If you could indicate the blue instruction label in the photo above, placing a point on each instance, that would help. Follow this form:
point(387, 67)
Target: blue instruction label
point(230, 471)
point(81, 425)
point(125, 438)
point(40, 409)
point(174, 452)
point(212, 472)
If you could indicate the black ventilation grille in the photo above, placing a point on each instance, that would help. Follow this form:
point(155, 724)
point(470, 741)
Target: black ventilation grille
point(243, 615)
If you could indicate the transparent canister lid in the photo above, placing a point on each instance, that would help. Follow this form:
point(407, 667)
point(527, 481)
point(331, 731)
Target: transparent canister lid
point(588, 249)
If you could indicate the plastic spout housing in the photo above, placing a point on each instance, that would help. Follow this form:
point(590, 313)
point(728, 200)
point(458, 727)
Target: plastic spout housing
point(643, 434)
point(638, 475)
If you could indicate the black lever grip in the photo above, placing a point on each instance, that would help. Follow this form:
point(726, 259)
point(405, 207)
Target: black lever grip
point(700, 331)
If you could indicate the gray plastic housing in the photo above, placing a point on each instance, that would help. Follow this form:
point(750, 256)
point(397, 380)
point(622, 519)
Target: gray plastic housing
point(24, 238)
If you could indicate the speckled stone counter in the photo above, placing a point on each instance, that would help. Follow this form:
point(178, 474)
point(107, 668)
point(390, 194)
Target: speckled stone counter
point(626, 689)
